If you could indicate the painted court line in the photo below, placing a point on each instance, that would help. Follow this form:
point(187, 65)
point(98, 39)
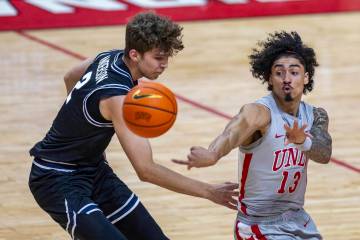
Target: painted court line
point(184, 99)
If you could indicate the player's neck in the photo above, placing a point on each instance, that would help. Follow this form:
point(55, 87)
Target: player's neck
point(135, 74)
point(289, 107)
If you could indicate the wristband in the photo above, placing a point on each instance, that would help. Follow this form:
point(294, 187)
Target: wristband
point(305, 146)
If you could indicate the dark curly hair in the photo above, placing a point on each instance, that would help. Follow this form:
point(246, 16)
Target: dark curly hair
point(147, 30)
point(277, 45)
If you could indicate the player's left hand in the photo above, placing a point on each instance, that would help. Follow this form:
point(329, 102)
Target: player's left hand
point(225, 194)
point(295, 134)
point(198, 157)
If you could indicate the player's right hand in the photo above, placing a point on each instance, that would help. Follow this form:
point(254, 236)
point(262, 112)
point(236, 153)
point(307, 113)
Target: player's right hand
point(198, 157)
point(225, 194)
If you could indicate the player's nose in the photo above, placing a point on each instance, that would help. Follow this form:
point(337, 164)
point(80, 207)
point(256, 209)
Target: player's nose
point(287, 78)
point(164, 64)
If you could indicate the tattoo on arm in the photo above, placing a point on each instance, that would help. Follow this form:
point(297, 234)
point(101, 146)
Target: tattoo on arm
point(321, 142)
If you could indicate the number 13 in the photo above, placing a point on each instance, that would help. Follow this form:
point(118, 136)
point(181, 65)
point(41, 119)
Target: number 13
point(292, 188)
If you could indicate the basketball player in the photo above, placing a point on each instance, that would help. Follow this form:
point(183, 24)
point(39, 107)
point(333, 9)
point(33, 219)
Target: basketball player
point(277, 135)
point(70, 177)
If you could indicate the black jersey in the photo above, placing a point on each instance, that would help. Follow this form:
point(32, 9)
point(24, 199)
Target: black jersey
point(79, 134)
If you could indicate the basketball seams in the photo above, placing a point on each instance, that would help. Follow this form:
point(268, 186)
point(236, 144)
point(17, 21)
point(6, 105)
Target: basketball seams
point(163, 93)
point(146, 106)
point(150, 118)
point(151, 126)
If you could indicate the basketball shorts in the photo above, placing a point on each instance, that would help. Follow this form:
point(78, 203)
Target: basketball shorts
point(91, 203)
point(293, 224)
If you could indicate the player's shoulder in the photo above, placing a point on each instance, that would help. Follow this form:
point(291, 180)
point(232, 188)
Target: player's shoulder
point(257, 114)
point(112, 70)
point(255, 106)
point(107, 53)
point(320, 112)
point(319, 109)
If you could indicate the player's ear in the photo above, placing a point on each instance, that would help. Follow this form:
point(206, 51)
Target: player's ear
point(270, 82)
point(306, 78)
point(134, 55)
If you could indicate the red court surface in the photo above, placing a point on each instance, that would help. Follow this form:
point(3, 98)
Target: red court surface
point(40, 14)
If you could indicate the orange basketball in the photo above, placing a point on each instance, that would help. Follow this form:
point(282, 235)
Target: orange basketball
point(149, 109)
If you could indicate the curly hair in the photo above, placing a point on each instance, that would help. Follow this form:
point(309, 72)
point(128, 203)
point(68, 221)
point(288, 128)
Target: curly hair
point(277, 45)
point(147, 30)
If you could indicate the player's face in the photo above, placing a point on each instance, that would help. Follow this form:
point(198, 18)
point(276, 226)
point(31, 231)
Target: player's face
point(288, 78)
point(152, 63)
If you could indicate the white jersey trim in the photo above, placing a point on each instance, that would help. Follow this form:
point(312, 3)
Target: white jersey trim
point(127, 212)
point(68, 216)
point(51, 168)
point(103, 54)
point(74, 226)
point(118, 70)
point(119, 209)
point(86, 112)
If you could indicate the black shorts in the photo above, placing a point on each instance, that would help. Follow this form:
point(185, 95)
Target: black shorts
point(90, 202)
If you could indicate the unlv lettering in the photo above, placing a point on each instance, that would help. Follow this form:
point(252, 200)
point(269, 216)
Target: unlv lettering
point(288, 157)
point(6, 9)
point(68, 6)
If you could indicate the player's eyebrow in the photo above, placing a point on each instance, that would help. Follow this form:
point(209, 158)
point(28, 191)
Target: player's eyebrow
point(282, 65)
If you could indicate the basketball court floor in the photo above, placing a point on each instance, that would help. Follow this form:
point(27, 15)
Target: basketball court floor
point(212, 80)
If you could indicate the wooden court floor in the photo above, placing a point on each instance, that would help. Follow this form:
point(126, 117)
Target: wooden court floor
point(212, 70)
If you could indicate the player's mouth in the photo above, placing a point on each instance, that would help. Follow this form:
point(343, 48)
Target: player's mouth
point(287, 89)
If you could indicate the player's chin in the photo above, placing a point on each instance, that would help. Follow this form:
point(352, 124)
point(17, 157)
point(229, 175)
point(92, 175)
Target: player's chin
point(153, 76)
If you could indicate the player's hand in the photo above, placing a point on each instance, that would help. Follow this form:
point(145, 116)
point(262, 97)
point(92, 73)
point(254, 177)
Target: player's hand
point(225, 194)
point(295, 134)
point(198, 157)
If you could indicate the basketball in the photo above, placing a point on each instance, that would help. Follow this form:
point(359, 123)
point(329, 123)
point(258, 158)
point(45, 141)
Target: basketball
point(149, 109)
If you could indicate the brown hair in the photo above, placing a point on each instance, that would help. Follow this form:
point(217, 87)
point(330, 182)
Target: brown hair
point(146, 31)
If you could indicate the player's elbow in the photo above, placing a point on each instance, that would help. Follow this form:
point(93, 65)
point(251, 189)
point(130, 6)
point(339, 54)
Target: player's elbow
point(326, 159)
point(67, 77)
point(68, 81)
point(145, 173)
point(322, 157)
point(144, 177)
point(327, 154)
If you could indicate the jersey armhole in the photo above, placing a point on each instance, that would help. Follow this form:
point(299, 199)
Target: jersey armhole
point(91, 102)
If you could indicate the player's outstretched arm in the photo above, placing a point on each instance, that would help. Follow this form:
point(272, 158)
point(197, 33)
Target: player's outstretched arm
point(139, 152)
point(74, 74)
point(239, 131)
point(321, 147)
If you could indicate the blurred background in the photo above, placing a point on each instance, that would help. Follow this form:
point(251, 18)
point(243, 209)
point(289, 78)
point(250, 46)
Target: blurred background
point(41, 39)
